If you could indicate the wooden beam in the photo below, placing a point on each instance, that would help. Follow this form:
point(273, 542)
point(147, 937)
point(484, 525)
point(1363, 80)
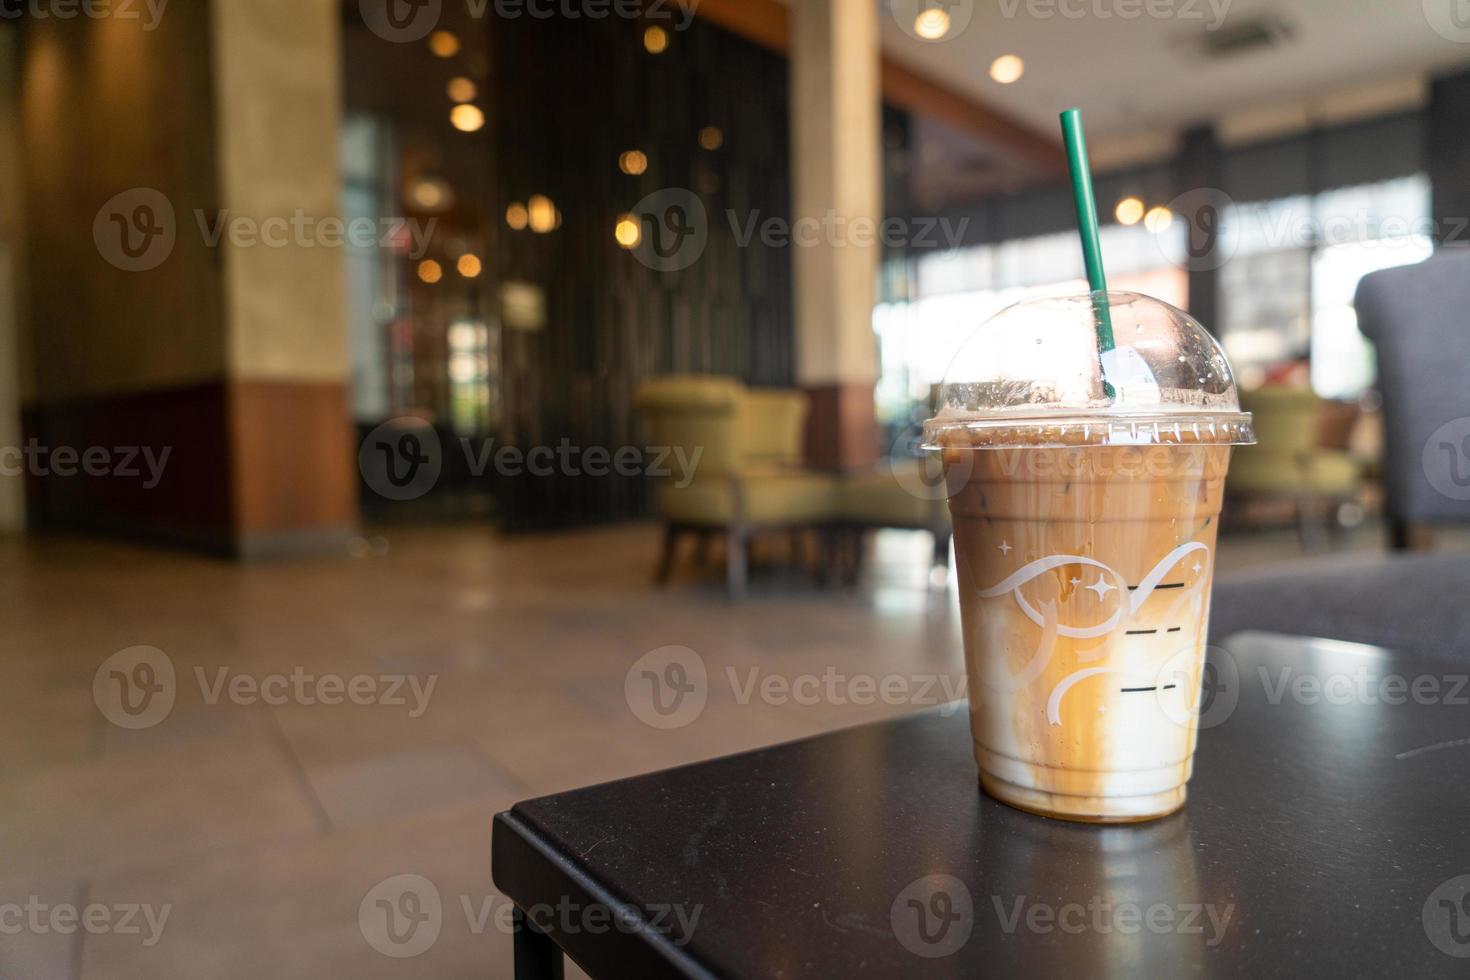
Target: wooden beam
point(919, 94)
point(768, 23)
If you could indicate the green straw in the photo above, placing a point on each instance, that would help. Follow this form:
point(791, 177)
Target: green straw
point(1087, 228)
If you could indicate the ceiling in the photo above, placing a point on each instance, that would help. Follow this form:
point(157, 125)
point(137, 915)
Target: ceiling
point(1150, 75)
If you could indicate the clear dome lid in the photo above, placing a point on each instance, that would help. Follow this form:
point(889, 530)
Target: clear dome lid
point(1035, 374)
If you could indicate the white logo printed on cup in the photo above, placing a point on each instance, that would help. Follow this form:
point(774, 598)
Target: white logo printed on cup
point(668, 687)
point(1107, 580)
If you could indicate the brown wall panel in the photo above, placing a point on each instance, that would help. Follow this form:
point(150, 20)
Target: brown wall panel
point(252, 468)
point(293, 461)
point(841, 427)
point(189, 505)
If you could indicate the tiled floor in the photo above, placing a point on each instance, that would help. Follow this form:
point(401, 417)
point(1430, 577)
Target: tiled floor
point(257, 816)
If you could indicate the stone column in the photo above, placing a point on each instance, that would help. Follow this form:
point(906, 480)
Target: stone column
point(277, 75)
point(836, 180)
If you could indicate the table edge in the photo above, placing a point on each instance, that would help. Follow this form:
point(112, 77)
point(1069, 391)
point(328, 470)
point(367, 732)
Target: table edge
point(523, 862)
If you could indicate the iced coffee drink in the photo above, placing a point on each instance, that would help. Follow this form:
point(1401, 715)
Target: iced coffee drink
point(1085, 488)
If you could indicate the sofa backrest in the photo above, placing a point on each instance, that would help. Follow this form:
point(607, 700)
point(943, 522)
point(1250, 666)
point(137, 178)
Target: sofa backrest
point(732, 427)
point(1418, 317)
point(1287, 420)
point(696, 413)
point(773, 420)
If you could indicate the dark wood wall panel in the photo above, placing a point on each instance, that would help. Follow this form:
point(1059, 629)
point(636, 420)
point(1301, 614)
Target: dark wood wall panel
point(570, 97)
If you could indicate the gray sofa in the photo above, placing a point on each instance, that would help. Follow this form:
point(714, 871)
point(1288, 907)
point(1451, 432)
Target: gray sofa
point(1418, 317)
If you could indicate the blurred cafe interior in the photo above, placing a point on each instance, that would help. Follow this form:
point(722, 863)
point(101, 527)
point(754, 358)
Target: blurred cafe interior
point(502, 343)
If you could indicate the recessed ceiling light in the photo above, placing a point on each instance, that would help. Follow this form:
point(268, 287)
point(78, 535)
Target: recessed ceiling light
point(1007, 68)
point(466, 118)
point(655, 40)
point(462, 89)
point(468, 265)
point(444, 44)
point(633, 162)
point(430, 271)
point(1129, 211)
point(516, 216)
point(1158, 219)
point(932, 24)
point(542, 214)
point(627, 232)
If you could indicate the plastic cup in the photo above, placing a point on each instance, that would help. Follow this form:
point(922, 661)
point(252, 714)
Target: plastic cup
point(1085, 519)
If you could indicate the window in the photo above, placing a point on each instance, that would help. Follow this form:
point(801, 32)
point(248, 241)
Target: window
point(953, 292)
point(1286, 292)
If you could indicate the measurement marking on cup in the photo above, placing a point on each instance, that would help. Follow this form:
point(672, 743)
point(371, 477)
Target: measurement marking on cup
point(1139, 690)
point(1139, 632)
point(1164, 585)
point(1175, 629)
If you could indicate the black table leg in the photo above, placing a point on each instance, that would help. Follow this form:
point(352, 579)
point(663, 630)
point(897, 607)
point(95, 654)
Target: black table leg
point(537, 957)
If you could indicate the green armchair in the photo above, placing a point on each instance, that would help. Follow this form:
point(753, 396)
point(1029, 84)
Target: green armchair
point(746, 448)
point(1289, 461)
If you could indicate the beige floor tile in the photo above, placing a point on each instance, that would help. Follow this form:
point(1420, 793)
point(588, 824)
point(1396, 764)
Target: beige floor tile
point(290, 910)
point(131, 808)
point(41, 929)
point(369, 790)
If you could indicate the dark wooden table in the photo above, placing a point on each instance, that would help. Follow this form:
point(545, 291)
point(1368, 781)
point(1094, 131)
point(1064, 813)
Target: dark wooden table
point(1326, 833)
